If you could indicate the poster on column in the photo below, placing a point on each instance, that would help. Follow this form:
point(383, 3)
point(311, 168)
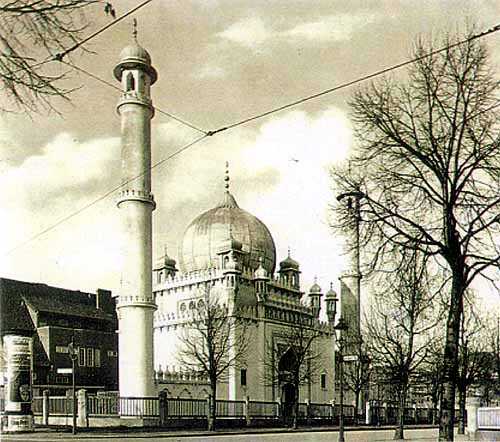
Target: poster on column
point(18, 355)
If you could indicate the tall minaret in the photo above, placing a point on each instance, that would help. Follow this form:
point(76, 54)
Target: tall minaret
point(135, 304)
point(350, 281)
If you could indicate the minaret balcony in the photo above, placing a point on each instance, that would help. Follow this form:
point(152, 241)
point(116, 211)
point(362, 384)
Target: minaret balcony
point(136, 195)
point(133, 97)
point(135, 301)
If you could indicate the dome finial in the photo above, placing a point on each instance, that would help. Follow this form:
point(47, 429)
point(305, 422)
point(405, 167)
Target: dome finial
point(134, 30)
point(226, 178)
point(289, 251)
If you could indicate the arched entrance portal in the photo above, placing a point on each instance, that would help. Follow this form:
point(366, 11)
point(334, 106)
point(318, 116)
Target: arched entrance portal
point(287, 367)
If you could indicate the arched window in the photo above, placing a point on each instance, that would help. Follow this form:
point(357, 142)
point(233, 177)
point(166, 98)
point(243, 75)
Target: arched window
point(130, 83)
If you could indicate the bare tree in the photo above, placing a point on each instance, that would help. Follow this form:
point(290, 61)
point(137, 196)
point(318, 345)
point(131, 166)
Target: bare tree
point(473, 360)
point(399, 328)
point(428, 164)
point(293, 357)
point(33, 32)
point(214, 340)
point(357, 372)
point(493, 339)
point(432, 375)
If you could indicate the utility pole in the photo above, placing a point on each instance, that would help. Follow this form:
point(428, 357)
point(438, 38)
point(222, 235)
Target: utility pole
point(73, 355)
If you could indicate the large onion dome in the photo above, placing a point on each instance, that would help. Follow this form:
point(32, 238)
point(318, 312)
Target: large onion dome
point(208, 234)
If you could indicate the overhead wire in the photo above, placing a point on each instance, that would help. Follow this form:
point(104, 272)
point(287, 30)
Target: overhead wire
point(104, 196)
point(60, 55)
point(258, 116)
point(353, 82)
point(156, 108)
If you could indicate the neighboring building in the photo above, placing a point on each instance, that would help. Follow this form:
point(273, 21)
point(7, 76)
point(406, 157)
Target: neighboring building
point(234, 253)
point(54, 318)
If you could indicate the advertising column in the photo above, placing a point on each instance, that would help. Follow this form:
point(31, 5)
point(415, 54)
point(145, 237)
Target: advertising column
point(18, 416)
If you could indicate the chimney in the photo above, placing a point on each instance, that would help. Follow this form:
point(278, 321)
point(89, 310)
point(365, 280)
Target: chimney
point(103, 299)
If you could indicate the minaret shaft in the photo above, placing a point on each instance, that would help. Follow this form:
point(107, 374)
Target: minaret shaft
point(135, 303)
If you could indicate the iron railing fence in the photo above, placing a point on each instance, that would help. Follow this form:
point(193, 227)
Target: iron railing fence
point(263, 409)
point(138, 406)
point(102, 405)
point(488, 418)
point(320, 410)
point(224, 408)
point(186, 408)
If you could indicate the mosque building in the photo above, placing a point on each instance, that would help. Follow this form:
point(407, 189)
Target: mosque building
point(234, 254)
point(226, 253)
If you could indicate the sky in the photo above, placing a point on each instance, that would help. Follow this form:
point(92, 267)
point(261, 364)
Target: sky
point(218, 61)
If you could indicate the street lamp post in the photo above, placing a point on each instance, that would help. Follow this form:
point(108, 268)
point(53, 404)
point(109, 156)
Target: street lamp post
point(341, 327)
point(73, 355)
point(331, 311)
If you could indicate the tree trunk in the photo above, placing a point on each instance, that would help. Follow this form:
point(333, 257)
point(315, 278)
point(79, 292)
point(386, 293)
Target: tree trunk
point(356, 411)
point(212, 407)
point(461, 408)
point(296, 407)
point(450, 362)
point(399, 431)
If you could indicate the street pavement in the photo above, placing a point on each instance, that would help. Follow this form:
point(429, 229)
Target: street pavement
point(246, 435)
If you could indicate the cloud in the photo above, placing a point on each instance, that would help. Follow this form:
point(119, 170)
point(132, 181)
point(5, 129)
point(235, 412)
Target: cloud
point(67, 175)
point(253, 32)
point(209, 71)
point(250, 32)
point(330, 28)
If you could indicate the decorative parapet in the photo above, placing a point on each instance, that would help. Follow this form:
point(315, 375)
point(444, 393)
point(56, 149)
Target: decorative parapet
point(177, 375)
point(132, 97)
point(135, 195)
point(191, 278)
point(135, 301)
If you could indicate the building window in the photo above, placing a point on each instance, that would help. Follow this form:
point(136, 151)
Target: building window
point(112, 353)
point(90, 357)
point(81, 357)
point(62, 349)
point(243, 377)
point(323, 380)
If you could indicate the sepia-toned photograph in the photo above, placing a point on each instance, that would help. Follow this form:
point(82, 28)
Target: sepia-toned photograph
point(250, 220)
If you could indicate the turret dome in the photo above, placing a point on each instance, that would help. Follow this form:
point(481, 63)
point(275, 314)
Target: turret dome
point(209, 232)
point(134, 56)
point(315, 288)
point(289, 263)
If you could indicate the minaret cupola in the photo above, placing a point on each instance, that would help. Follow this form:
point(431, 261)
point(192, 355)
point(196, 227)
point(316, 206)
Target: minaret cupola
point(136, 74)
point(331, 300)
point(164, 267)
point(260, 280)
point(289, 272)
point(315, 297)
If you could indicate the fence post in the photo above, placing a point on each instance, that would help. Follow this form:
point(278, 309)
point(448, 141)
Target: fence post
point(82, 417)
point(45, 407)
point(208, 411)
point(248, 418)
point(162, 405)
point(332, 404)
point(368, 413)
point(472, 404)
point(279, 409)
point(308, 411)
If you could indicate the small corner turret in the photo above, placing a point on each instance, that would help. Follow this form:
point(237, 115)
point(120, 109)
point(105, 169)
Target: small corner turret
point(289, 272)
point(260, 281)
point(315, 298)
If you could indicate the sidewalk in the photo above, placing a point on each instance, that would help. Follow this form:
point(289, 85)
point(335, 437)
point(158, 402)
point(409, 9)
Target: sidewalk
point(53, 434)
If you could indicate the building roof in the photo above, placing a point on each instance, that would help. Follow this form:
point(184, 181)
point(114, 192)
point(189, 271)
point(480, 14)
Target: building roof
point(205, 236)
point(16, 296)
